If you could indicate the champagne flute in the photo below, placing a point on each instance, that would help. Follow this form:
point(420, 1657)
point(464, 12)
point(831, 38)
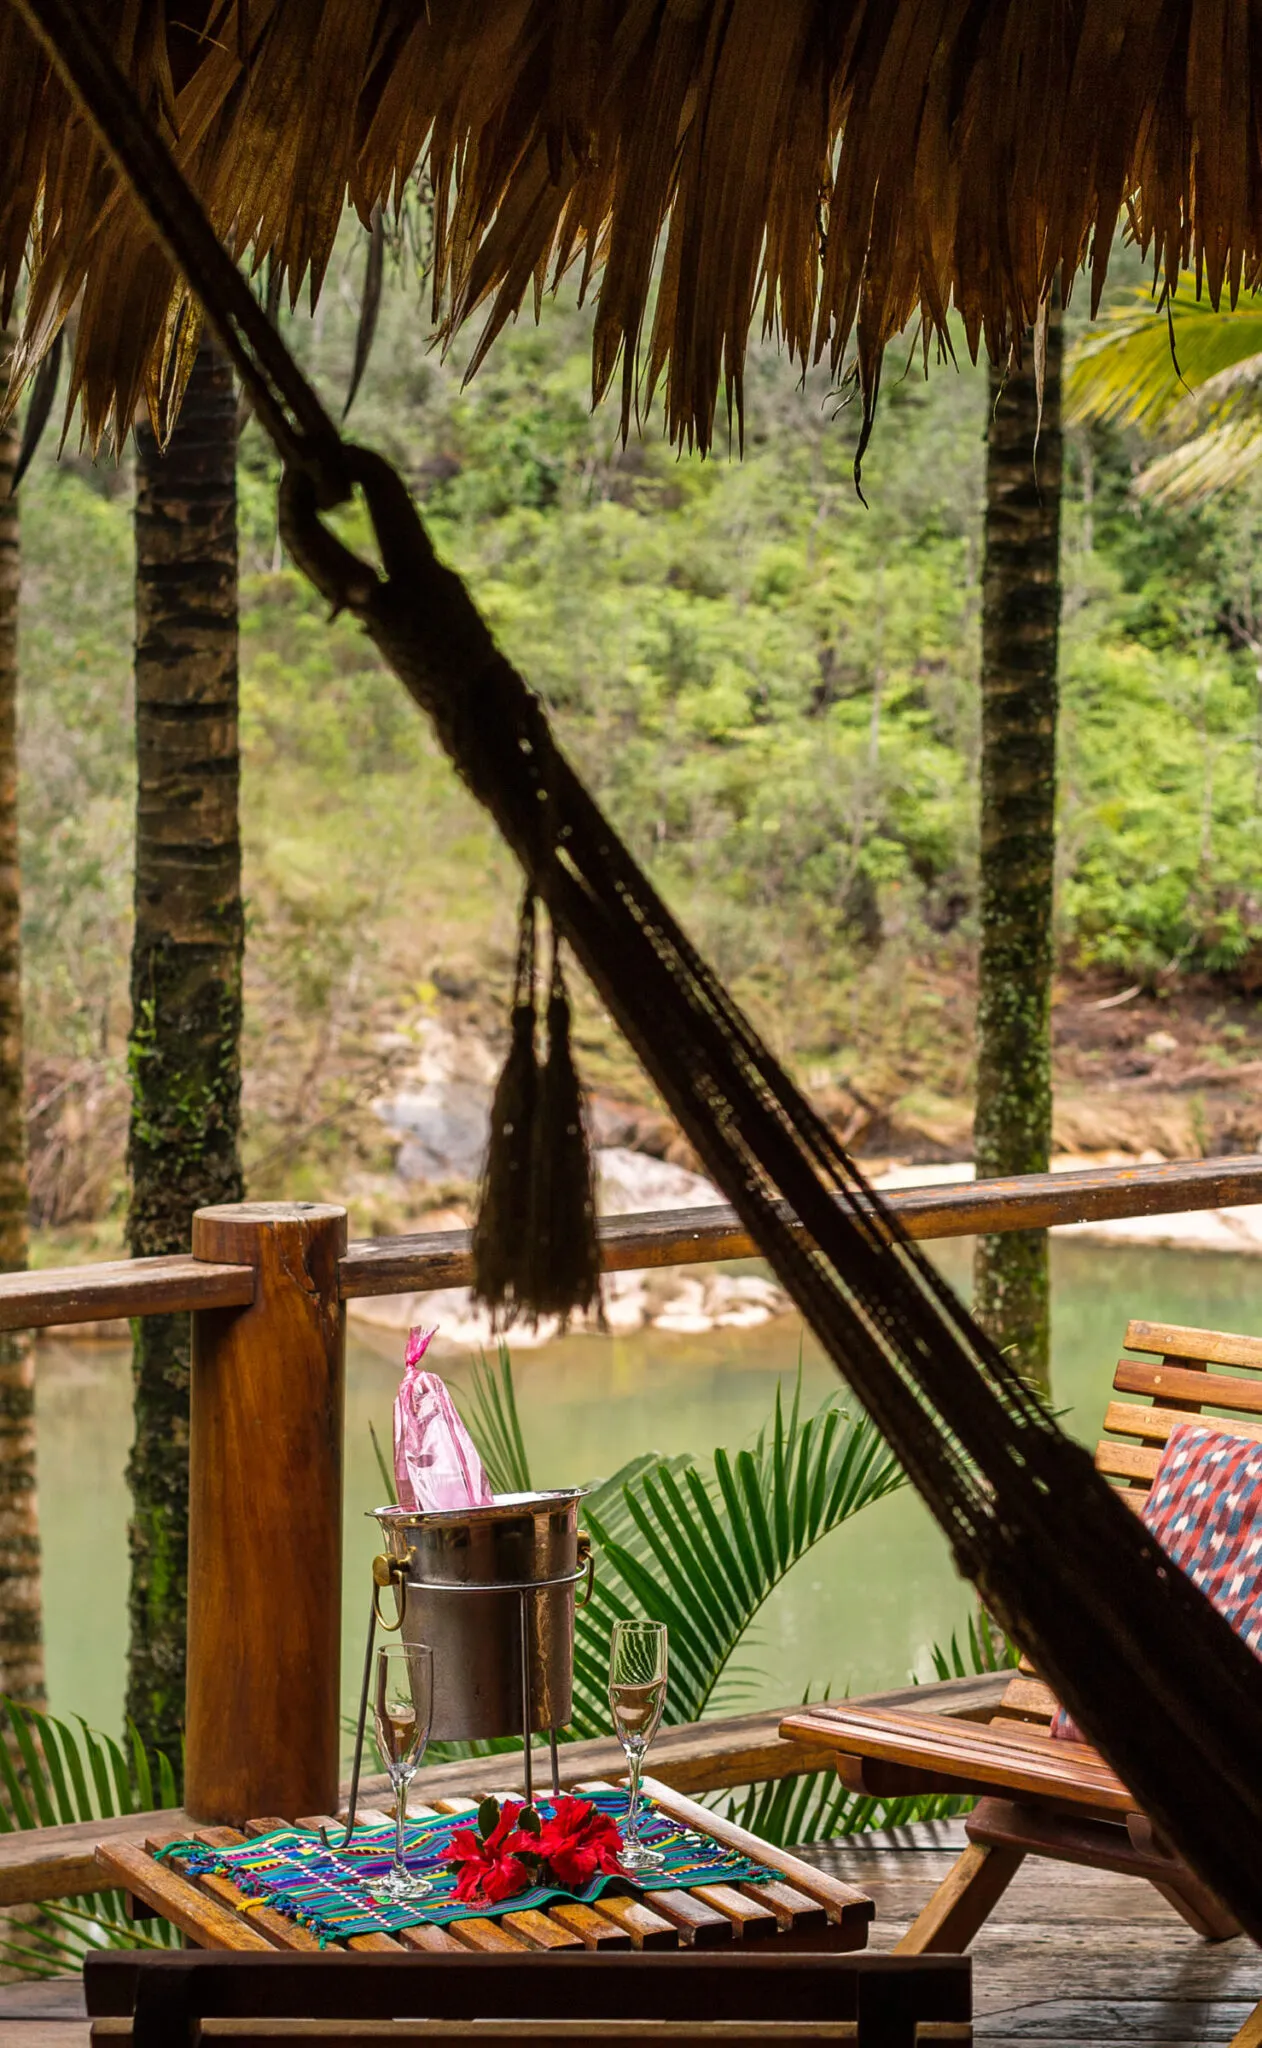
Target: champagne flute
point(403, 1707)
point(637, 1695)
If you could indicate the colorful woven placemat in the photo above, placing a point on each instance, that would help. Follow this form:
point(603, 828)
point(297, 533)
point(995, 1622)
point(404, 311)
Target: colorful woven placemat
point(291, 1870)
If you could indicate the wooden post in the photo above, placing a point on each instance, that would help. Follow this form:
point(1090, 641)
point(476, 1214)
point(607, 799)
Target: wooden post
point(265, 1519)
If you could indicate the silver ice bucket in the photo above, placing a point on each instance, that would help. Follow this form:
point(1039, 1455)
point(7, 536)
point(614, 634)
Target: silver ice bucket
point(479, 1585)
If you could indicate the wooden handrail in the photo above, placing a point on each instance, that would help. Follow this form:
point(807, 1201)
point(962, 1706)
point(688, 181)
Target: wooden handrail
point(672, 1237)
point(125, 1287)
point(679, 1237)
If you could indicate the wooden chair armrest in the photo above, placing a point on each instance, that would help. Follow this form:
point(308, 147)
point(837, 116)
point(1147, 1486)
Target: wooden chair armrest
point(965, 1756)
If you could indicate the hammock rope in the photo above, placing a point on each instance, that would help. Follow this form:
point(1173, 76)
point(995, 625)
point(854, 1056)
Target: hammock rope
point(1160, 1682)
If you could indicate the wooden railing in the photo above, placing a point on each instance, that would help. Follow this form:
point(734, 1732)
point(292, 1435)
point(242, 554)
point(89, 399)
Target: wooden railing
point(681, 1237)
point(267, 1285)
point(698, 1757)
point(669, 1237)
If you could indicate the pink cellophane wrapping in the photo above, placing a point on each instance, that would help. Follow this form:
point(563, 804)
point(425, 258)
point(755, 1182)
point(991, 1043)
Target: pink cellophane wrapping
point(435, 1464)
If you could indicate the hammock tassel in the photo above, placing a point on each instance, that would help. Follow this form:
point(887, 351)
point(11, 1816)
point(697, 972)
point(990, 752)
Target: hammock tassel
point(566, 1275)
point(535, 1250)
point(502, 1230)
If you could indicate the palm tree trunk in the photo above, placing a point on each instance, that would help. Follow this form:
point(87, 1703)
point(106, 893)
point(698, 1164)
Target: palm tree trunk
point(1020, 629)
point(21, 1602)
point(185, 977)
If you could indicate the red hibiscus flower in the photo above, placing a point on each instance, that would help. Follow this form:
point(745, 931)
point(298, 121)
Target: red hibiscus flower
point(512, 1848)
point(485, 1880)
point(577, 1843)
point(487, 1868)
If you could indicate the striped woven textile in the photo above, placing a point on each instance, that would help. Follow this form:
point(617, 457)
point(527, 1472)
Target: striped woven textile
point(291, 1870)
point(1205, 1509)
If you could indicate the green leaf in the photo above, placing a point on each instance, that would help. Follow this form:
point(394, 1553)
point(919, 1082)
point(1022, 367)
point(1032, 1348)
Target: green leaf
point(489, 1413)
point(19, 1720)
point(488, 1817)
point(781, 1502)
point(736, 1587)
point(140, 1766)
point(121, 1775)
point(20, 1814)
point(702, 1548)
point(56, 1774)
point(1184, 372)
point(74, 1762)
point(1142, 361)
point(736, 1520)
point(389, 1490)
point(49, 1771)
point(100, 1775)
point(756, 1509)
point(815, 1808)
point(699, 1547)
point(168, 1791)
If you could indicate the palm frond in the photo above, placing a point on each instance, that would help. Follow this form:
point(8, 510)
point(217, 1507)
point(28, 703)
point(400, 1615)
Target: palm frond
point(49, 1773)
point(805, 167)
point(489, 1413)
point(793, 1812)
point(702, 1548)
point(1226, 453)
point(1144, 361)
point(988, 1650)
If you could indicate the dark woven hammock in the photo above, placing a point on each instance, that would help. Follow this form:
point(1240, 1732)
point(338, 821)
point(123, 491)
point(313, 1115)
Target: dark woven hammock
point(1156, 1677)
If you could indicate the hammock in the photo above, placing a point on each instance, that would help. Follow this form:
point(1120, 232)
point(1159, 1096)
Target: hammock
point(1143, 1662)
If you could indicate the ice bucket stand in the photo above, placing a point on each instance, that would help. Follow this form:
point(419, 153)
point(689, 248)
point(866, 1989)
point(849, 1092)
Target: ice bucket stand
point(393, 1572)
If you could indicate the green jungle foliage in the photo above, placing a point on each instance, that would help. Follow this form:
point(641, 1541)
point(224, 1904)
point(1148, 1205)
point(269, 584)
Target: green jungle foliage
point(770, 685)
point(50, 1775)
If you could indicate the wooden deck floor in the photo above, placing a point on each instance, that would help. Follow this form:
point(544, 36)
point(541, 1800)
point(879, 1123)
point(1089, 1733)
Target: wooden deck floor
point(1070, 1956)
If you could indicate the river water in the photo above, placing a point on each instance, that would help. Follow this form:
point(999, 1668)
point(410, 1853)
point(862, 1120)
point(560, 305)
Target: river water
point(860, 1612)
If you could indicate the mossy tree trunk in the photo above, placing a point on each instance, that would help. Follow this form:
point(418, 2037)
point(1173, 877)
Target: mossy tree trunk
point(21, 1605)
point(185, 977)
point(1020, 631)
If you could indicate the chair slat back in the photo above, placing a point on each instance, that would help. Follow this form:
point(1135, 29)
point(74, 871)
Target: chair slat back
point(1195, 1370)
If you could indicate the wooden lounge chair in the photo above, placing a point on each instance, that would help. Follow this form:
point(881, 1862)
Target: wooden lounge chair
point(349, 2001)
point(1039, 1796)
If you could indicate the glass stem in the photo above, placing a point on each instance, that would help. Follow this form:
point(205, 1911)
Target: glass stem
point(400, 1817)
point(635, 1764)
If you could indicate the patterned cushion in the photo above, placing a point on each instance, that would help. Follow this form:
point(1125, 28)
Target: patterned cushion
point(1205, 1510)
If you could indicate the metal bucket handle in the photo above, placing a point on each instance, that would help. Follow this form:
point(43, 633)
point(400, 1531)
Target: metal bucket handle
point(389, 1571)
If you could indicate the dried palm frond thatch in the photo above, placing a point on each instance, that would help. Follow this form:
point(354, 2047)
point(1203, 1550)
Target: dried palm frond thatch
point(841, 167)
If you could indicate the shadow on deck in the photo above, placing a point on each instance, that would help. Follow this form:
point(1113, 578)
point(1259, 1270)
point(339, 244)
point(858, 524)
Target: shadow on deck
point(1069, 1955)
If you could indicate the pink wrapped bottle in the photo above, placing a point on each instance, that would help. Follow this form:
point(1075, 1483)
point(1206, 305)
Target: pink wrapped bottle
point(435, 1463)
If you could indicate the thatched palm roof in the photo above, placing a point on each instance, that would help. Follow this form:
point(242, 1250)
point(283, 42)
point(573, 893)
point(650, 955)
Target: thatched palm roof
point(836, 167)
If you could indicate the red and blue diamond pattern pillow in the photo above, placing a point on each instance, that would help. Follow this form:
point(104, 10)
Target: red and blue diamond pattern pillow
point(1205, 1510)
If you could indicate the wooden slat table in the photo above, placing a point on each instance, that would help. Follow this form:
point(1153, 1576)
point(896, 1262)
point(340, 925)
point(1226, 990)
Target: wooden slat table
point(799, 1910)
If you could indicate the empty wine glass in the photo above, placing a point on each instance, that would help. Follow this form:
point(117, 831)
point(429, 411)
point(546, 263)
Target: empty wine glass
point(637, 1695)
point(403, 1707)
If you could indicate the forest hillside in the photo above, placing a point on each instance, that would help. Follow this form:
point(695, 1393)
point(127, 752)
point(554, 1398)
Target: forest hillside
point(773, 688)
